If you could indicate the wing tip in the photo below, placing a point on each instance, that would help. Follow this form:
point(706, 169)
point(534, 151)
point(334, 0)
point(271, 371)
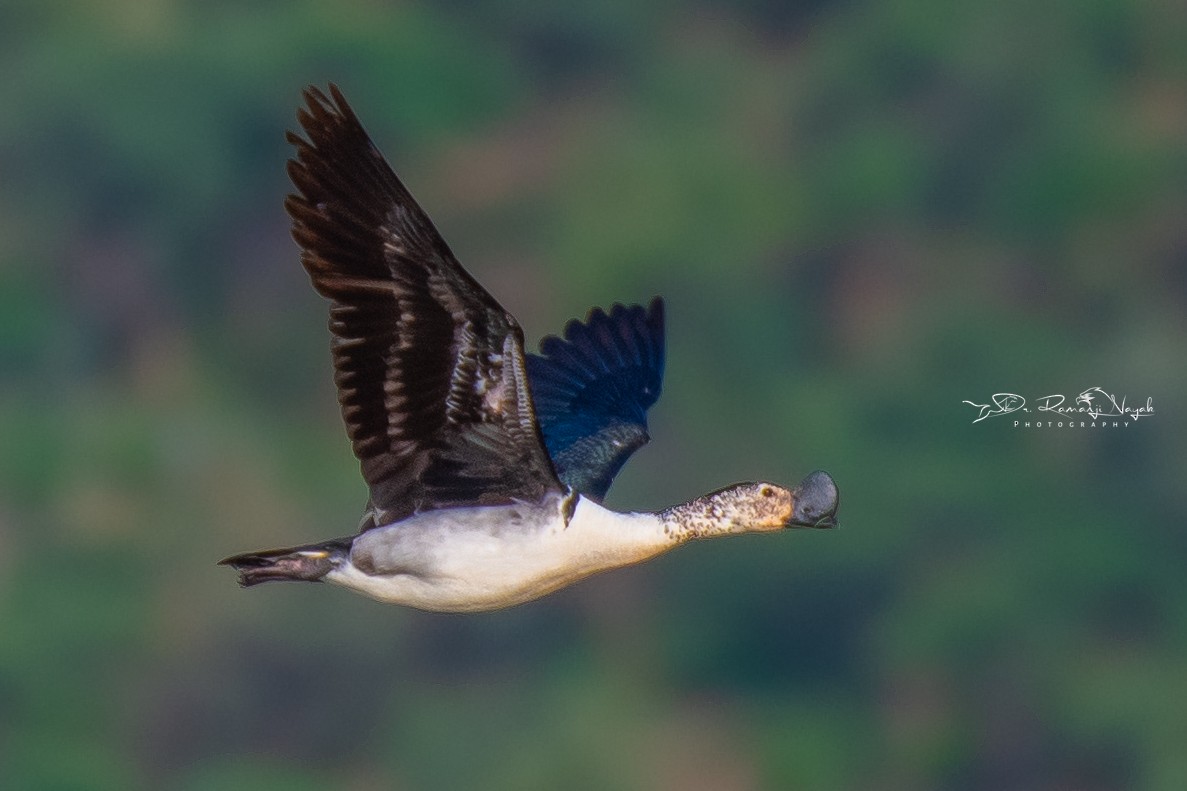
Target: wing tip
point(623, 337)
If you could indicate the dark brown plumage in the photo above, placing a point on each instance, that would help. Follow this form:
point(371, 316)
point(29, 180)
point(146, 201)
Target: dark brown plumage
point(435, 417)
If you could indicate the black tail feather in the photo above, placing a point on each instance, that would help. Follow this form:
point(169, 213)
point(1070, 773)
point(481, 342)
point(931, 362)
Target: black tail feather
point(308, 563)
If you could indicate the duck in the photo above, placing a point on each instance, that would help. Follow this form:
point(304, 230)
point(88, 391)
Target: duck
point(486, 466)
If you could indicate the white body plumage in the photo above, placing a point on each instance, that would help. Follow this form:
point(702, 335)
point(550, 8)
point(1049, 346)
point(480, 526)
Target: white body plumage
point(485, 558)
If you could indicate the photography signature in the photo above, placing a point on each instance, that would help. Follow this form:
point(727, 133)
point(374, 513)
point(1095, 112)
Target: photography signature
point(1093, 403)
point(1001, 404)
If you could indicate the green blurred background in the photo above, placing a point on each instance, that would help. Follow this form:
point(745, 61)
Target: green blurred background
point(860, 213)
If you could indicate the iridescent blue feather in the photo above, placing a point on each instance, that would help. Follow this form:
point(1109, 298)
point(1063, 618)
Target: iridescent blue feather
point(592, 390)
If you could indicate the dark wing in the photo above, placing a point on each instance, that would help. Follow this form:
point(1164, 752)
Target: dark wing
point(429, 368)
point(592, 391)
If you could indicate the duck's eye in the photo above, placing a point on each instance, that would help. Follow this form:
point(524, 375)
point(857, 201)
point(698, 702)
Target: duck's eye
point(767, 491)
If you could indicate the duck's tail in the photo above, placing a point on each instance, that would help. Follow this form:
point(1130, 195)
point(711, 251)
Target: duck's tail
point(307, 563)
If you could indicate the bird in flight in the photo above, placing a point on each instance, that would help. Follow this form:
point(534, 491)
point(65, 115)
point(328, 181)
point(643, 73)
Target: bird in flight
point(486, 465)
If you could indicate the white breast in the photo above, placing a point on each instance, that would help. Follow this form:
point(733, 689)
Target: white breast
point(472, 559)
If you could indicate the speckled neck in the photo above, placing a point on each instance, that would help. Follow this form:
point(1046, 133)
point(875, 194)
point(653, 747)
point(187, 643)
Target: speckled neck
point(703, 517)
point(741, 508)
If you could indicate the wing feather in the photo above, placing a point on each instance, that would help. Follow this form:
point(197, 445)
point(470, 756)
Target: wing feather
point(592, 389)
point(429, 367)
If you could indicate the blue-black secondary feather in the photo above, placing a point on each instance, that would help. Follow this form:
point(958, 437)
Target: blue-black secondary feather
point(592, 389)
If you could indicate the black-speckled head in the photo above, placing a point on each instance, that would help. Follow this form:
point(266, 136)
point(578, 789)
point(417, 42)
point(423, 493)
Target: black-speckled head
point(754, 507)
point(757, 506)
point(741, 508)
point(816, 501)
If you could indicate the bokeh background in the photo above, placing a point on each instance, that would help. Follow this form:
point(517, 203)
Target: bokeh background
point(860, 213)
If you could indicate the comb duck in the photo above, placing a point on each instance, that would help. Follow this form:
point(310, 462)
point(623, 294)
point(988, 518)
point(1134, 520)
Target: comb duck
point(485, 465)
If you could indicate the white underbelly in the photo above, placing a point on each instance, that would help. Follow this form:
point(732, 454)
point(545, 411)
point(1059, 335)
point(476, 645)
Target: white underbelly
point(469, 560)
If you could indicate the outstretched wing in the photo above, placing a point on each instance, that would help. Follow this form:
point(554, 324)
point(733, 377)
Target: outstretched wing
point(429, 367)
point(592, 390)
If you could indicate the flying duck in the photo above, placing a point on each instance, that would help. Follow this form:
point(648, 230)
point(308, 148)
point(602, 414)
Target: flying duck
point(485, 465)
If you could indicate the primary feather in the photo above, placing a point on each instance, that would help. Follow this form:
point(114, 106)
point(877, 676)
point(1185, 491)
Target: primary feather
point(592, 389)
